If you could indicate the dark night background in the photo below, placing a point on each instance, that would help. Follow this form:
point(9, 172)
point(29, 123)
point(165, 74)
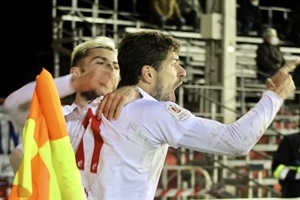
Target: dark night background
point(26, 31)
point(26, 38)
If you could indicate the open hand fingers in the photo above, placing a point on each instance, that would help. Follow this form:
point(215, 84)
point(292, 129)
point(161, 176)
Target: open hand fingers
point(283, 73)
point(111, 106)
point(112, 103)
point(116, 107)
point(290, 66)
point(282, 84)
point(102, 108)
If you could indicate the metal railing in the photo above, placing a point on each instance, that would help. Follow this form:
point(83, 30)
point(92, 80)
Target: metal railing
point(186, 183)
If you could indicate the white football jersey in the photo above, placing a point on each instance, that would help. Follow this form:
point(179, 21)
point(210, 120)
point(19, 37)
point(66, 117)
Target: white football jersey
point(123, 159)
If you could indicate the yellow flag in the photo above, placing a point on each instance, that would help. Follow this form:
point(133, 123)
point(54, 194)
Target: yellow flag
point(48, 169)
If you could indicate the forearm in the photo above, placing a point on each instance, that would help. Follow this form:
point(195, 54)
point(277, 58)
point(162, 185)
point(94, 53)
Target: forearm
point(15, 158)
point(237, 138)
point(156, 9)
point(17, 104)
point(247, 130)
point(177, 11)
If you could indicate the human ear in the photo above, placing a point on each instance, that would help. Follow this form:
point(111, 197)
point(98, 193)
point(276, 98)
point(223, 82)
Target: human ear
point(146, 73)
point(74, 71)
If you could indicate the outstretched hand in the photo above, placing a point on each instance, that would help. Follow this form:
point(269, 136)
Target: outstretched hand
point(98, 79)
point(112, 103)
point(282, 82)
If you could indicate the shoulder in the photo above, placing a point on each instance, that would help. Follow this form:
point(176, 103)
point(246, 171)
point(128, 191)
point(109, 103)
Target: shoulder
point(159, 109)
point(293, 137)
point(290, 139)
point(176, 111)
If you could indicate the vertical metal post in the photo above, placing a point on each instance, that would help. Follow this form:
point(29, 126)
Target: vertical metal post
point(228, 64)
point(115, 25)
point(95, 8)
point(55, 30)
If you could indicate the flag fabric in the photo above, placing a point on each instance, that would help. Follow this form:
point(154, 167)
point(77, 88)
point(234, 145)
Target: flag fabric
point(48, 169)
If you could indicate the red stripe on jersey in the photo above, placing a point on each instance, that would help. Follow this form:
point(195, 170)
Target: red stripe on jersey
point(80, 156)
point(98, 142)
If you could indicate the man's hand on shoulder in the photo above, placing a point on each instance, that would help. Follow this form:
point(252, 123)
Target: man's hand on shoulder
point(112, 103)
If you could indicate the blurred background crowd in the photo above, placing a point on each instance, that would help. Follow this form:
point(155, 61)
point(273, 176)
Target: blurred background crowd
point(27, 29)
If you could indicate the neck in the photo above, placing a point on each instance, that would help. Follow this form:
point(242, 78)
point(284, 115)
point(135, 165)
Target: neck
point(145, 86)
point(79, 100)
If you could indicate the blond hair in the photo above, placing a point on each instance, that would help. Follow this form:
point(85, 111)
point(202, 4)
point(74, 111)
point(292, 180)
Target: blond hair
point(81, 50)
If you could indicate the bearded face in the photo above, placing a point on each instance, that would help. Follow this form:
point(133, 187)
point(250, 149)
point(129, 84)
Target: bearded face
point(89, 95)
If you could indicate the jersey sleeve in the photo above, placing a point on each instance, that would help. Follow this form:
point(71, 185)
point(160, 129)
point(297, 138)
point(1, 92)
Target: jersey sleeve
point(166, 122)
point(17, 104)
point(237, 138)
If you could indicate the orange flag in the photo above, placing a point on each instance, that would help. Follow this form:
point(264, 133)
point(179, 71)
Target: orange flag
point(48, 169)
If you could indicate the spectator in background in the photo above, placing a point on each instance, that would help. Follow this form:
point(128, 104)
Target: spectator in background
point(166, 12)
point(286, 165)
point(248, 17)
point(191, 11)
point(294, 32)
point(269, 57)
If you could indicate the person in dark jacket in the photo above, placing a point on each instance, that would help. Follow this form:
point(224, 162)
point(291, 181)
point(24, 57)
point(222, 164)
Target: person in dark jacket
point(269, 57)
point(191, 10)
point(248, 17)
point(286, 165)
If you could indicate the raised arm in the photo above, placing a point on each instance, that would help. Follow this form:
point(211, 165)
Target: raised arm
point(239, 137)
point(17, 104)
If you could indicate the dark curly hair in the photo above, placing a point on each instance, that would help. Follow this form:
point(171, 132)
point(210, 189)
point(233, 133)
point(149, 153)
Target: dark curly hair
point(143, 48)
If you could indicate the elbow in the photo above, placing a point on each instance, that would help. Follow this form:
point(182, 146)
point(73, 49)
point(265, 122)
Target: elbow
point(6, 106)
point(242, 150)
point(13, 107)
point(245, 151)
